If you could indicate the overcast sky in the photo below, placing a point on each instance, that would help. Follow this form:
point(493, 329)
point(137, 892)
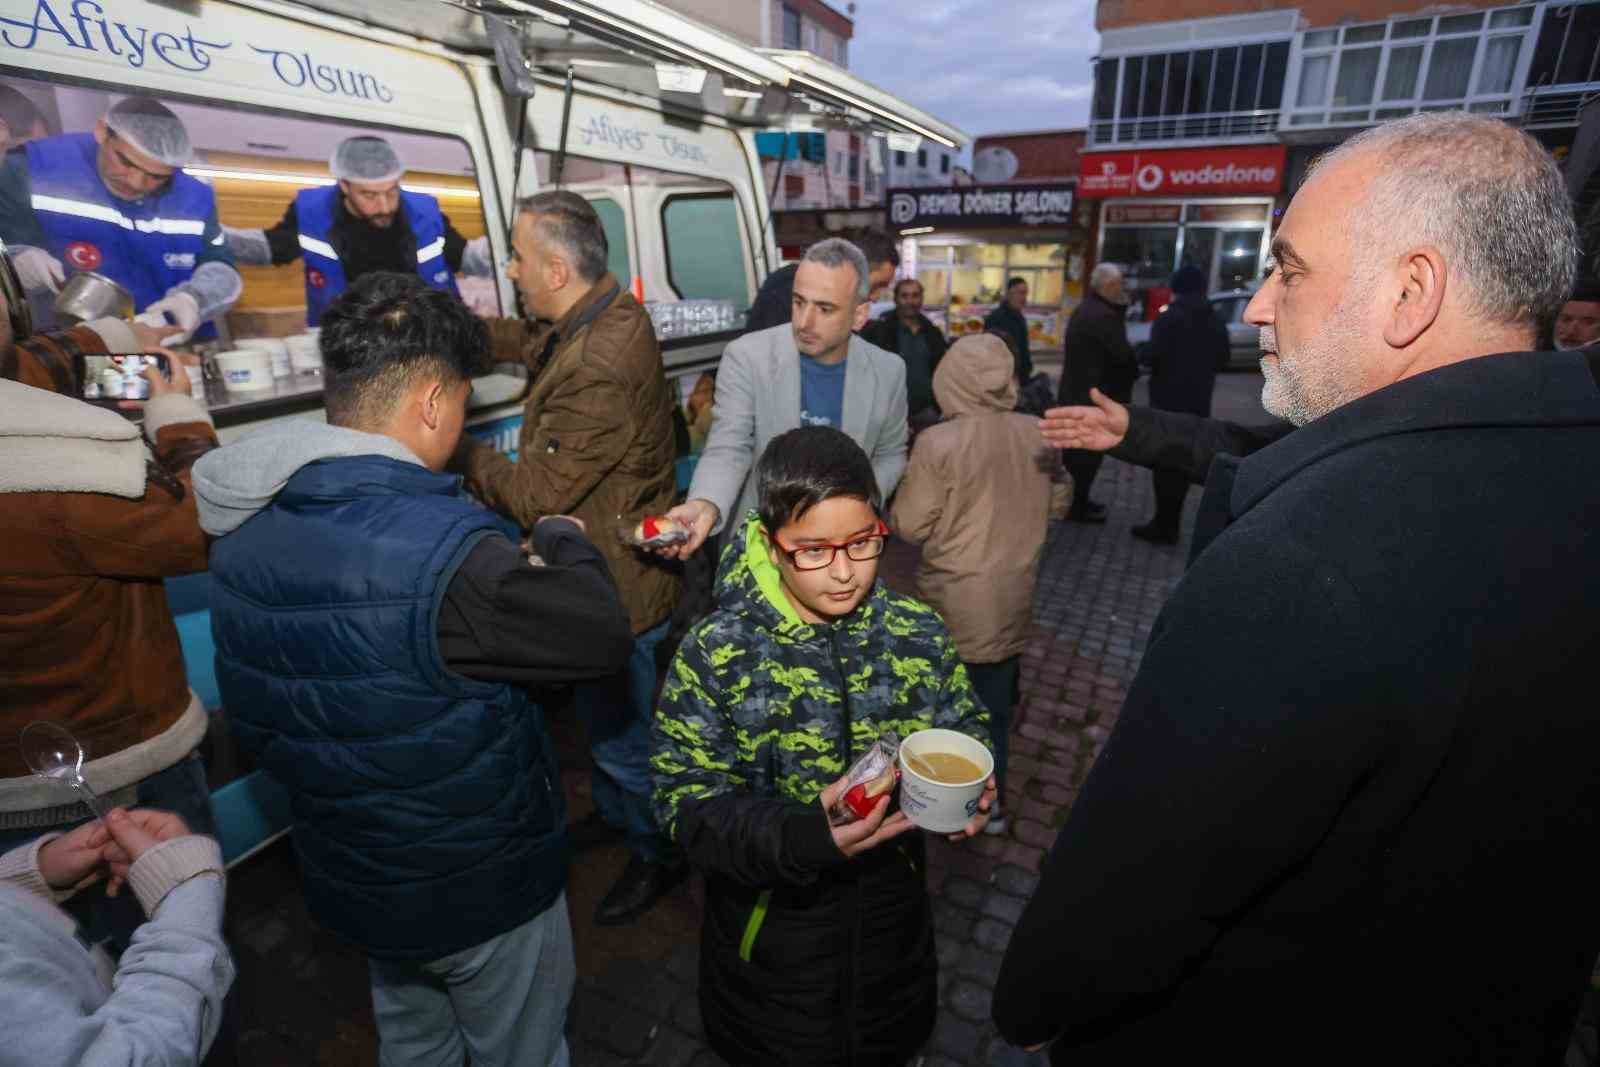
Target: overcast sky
point(987, 66)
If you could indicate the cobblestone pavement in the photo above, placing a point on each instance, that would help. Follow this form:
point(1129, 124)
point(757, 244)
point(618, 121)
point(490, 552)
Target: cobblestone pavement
point(304, 998)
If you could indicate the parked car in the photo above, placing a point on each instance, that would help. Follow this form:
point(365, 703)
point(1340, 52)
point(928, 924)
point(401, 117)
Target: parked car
point(1244, 350)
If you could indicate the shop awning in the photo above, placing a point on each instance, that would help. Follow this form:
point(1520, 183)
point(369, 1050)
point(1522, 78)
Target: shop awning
point(815, 78)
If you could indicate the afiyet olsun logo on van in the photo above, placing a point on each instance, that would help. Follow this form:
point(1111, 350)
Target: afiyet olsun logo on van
point(1215, 172)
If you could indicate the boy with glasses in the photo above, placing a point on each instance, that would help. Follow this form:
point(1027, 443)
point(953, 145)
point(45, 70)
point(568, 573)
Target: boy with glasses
point(817, 946)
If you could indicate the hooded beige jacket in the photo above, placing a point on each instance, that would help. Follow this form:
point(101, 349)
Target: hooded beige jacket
point(976, 497)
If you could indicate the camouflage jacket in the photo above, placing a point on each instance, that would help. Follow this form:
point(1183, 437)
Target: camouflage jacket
point(762, 706)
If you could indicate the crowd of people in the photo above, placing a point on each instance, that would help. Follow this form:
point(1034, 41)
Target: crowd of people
point(1346, 814)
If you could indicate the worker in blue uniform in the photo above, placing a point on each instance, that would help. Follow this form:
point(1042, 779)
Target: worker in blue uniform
point(116, 202)
point(363, 222)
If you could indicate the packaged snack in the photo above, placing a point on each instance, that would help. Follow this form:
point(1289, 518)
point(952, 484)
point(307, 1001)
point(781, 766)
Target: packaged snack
point(873, 775)
point(652, 531)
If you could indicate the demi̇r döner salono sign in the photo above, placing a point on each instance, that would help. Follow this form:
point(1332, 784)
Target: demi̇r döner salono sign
point(971, 206)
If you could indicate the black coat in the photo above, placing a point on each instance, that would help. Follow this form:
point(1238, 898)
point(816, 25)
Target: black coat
point(884, 331)
point(1188, 444)
point(1188, 345)
point(1096, 352)
point(774, 302)
point(1348, 814)
point(1014, 324)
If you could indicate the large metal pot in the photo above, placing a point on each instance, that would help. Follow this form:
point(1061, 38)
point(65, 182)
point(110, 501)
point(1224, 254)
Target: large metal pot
point(88, 295)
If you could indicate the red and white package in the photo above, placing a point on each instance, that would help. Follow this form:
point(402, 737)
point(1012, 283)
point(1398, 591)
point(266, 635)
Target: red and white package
point(872, 776)
point(652, 531)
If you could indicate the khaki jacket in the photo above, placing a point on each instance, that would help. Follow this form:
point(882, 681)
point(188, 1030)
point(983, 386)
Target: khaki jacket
point(596, 438)
point(976, 497)
point(92, 519)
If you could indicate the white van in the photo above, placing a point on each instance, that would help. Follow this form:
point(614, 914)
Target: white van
point(650, 115)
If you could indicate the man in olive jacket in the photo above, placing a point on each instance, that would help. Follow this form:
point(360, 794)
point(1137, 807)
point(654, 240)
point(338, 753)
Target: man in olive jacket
point(596, 444)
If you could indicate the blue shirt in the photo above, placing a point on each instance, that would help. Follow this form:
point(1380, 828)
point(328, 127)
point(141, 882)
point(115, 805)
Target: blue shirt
point(821, 393)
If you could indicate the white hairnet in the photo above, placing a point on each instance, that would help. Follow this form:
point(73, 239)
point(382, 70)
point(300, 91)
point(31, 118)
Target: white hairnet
point(365, 159)
point(152, 129)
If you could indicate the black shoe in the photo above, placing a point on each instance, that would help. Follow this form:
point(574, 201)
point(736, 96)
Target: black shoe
point(1090, 512)
point(591, 831)
point(1156, 535)
point(641, 884)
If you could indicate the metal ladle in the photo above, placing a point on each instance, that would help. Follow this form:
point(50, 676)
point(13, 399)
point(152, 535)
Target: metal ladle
point(51, 752)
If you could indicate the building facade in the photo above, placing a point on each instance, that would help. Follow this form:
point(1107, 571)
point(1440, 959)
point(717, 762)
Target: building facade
point(1205, 113)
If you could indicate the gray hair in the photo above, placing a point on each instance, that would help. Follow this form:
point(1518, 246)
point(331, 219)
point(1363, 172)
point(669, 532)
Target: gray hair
point(1487, 196)
point(836, 252)
point(570, 222)
point(1103, 273)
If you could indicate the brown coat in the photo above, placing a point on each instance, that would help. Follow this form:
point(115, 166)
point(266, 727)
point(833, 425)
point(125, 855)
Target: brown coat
point(596, 438)
point(86, 637)
point(976, 497)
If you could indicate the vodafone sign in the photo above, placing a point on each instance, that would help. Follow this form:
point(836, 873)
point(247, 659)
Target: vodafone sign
point(1255, 169)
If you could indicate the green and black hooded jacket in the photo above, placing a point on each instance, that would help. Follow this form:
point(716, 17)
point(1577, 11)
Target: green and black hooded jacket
point(807, 957)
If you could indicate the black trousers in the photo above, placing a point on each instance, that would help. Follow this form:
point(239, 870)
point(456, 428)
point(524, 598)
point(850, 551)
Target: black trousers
point(1083, 465)
point(1171, 487)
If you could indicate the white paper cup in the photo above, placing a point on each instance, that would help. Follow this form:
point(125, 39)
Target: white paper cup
point(273, 346)
point(245, 370)
point(305, 355)
point(942, 807)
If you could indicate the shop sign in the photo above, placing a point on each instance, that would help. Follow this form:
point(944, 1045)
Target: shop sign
point(979, 206)
point(1245, 170)
point(1133, 214)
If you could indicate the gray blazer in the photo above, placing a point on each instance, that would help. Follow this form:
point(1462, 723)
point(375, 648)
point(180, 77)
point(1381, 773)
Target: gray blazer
point(758, 397)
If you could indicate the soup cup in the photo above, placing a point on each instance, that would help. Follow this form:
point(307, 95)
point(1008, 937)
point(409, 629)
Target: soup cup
point(942, 807)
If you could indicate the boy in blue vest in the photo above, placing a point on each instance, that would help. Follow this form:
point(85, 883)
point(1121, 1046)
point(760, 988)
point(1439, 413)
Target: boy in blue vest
point(365, 222)
point(377, 633)
point(116, 202)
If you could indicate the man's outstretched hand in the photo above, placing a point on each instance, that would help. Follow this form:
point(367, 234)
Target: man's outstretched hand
point(698, 517)
point(1096, 428)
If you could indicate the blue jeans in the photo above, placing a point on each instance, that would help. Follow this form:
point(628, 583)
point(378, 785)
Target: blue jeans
point(618, 712)
point(996, 686)
point(182, 789)
point(504, 1001)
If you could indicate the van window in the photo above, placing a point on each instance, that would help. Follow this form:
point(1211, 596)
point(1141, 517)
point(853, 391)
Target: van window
point(705, 258)
point(239, 206)
point(615, 224)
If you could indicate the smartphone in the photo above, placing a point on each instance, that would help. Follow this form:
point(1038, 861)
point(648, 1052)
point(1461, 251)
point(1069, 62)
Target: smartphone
point(121, 377)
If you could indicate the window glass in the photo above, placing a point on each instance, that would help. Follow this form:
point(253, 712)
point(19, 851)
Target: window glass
point(791, 27)
point(935, 284)
point(1146, 254)
point(1358, 71)
point(1155, 69)
point(1314, 80)
point(1363, 34)
point(1222, 86)
point(1513, 16)
point(944, 164)
point(1499, 64)
point(1410, 28)
point(1449, 68)
point(1321, 38)
point(991, 255)
point(1200, 82)
point(1132, 79)
point(1244, 91)
point(1461, 23)
point(922, 157)
point(705, 250)
point(1177, 83)
point(1583, 44)
point(1400, 82)
point(1272, 75)
point(616, 227)
point(899, 159)
point(1037, 255)
point(1105, 88)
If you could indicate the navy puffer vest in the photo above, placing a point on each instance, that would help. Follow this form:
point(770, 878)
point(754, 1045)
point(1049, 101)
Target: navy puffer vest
point(428, 813)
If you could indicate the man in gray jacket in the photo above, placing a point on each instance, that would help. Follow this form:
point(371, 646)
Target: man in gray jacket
point(811, 371)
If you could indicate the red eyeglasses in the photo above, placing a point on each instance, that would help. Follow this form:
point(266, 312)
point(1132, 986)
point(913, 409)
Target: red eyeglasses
point(816, 557)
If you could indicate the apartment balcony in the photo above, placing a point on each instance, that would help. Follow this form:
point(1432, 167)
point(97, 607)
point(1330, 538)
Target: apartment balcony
point(1174, 131)
point(1552, 107)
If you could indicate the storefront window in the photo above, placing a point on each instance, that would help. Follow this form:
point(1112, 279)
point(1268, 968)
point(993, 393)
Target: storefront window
point(977, 272)
point(1225, 240)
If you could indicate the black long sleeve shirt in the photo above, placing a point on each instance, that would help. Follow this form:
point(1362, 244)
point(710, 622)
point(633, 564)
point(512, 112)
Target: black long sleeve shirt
point(362, 247)
point(506, 620)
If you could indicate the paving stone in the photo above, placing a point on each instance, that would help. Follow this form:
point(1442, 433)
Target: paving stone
point(957, 1038)
point(706, 1058)
point(1025, 856)
point(684, 963)
point(1034, 834)
point(1016, 881)
point(645, 985)
point(623, 1029)
point(963, 892)
point(952, 921)
point(1058, 795)
point(1002, 1053)
point(969, 1000)
point(1007, 909)
point(686, 1015)
point(588, 1055)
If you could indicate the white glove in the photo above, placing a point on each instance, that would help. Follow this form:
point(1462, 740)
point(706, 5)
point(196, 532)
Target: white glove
point(249, 246)
point(37, 269)
point(476, 259)
point(185, 312)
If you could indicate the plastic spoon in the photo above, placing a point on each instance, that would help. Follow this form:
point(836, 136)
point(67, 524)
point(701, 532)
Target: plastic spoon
point(917, 764)
point(51, 752)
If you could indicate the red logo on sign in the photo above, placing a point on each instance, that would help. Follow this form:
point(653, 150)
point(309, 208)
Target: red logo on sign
point(1194, 171)
point(84, 256)
point(316, 279)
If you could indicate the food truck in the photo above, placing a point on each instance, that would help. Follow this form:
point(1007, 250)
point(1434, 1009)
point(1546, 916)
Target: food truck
point(648, 114)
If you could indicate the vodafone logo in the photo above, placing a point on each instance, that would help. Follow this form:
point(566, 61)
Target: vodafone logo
point(84, 256)
point(1149, 177)
point(1242, 169)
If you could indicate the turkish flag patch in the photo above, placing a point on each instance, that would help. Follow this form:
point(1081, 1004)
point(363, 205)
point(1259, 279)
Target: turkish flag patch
point(84, 256)
point(316, 278)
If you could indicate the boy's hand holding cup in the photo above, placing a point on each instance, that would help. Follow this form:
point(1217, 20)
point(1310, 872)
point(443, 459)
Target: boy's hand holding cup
point(878, 826)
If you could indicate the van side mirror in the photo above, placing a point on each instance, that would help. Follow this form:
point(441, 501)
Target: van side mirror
point(516, 73)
